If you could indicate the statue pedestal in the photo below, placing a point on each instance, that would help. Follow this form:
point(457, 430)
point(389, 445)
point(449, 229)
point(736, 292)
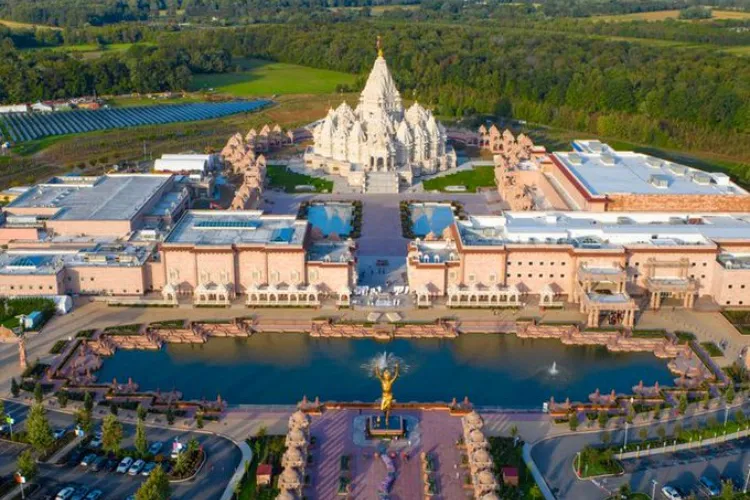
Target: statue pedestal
point(380, 427)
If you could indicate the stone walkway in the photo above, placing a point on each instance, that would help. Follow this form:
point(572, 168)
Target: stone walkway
point(707, 327)
point(334, 432)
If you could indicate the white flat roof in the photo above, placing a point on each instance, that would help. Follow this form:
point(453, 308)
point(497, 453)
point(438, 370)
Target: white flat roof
point(225, 227)
point(625, 172)
point(604, 230)
point(109, 197)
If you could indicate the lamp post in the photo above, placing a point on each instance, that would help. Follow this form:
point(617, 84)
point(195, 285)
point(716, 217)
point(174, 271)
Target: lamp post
point(747, 478)
point(726, 414)
point(653, 489)
point(578, 467)
point(626, 434)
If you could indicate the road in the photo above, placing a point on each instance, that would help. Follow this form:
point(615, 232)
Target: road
point(222, 459)
point(555, 457)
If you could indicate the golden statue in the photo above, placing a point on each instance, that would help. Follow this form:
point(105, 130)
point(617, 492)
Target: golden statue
point(386, 382)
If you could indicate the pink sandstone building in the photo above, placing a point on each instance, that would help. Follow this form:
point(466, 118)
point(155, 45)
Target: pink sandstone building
point(611, 264)
point(132, 235)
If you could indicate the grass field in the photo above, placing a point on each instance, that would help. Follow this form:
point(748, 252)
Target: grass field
point(266, 78)
point(378, 10)
point(281, 178)
point(473, 179)
point(90, 50)
point(17, 25)
point(662, 15)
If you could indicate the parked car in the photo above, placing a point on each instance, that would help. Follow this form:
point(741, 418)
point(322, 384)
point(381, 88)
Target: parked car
point(671, 492)
point(155, 447)
point(148, 468)
point(98, 464)
point(124, 465)
point(136, 468)
point(59, 433)
point(111, 465)
point(88, 459)
point(75, 456)
point(80, 493)
point(65, 493)
point(709, 486)
point(95, 443)
point(94, 495)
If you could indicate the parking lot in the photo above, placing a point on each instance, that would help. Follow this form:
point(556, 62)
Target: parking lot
point(723, 461)
point(222, 458)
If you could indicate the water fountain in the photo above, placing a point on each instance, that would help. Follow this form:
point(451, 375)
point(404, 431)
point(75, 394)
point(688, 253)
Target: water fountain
point(553, 369)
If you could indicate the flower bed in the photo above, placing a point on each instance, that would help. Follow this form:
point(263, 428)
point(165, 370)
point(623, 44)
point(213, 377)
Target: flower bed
point(712, 349)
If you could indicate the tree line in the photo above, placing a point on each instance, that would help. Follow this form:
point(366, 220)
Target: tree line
point(27, 76)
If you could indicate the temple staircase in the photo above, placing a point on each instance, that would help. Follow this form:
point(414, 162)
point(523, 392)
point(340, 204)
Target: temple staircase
point(381, 182)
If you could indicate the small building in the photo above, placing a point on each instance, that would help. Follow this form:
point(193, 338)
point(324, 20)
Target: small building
point(42, 106)
point(14, 108)
point(31, 321)
point(264, 475)
point(510, 476)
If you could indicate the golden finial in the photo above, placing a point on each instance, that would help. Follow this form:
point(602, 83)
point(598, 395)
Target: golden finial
point(379, 45)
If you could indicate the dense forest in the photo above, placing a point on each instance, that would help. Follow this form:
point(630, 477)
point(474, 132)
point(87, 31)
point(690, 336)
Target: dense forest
point(78, 13)
point(696, 99)
point(693, 99)
point(28, 76)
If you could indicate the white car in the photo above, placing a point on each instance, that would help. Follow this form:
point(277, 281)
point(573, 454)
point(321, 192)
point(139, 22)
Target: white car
point(136, 468)
point(671, 493)
point(65, 493)
point(124, 465)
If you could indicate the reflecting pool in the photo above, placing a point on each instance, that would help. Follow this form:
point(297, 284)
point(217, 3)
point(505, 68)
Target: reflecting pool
point(331, 217)
point(430, 218)
point(492, 370)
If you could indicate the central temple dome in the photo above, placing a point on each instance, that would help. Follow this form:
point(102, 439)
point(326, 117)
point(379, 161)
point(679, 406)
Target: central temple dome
point(379, 136)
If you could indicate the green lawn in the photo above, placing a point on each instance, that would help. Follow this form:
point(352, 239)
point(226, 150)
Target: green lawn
point(712, 349)
point(478, 177)
point(265, 78)
point(280, 177)
point(266, 449)
point(597, 462)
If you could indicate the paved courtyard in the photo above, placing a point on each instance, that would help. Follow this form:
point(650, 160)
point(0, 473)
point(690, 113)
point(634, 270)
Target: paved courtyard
point(334, 432)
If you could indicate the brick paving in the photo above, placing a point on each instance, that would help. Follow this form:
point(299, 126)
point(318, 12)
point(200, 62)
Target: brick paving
point(334, 432)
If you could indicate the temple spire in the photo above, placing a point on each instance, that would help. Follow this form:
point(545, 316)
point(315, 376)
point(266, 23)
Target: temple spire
point(379, 45)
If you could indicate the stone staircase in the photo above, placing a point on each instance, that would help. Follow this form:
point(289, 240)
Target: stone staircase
point(381, 182)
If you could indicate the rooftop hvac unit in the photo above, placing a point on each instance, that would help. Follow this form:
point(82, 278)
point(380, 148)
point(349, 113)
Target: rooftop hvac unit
point(677, 169)
point(653, 162)
point(701, 178)
point(575, 159)
point(608, 159)
point(659, 181)
point(721, 179)
point(596, 146)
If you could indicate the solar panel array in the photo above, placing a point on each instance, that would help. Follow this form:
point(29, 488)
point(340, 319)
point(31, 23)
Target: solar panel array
point(30, 126)
point(227, 224)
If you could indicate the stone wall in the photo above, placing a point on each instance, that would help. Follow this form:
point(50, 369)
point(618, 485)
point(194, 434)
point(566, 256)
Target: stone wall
point(677, 203)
